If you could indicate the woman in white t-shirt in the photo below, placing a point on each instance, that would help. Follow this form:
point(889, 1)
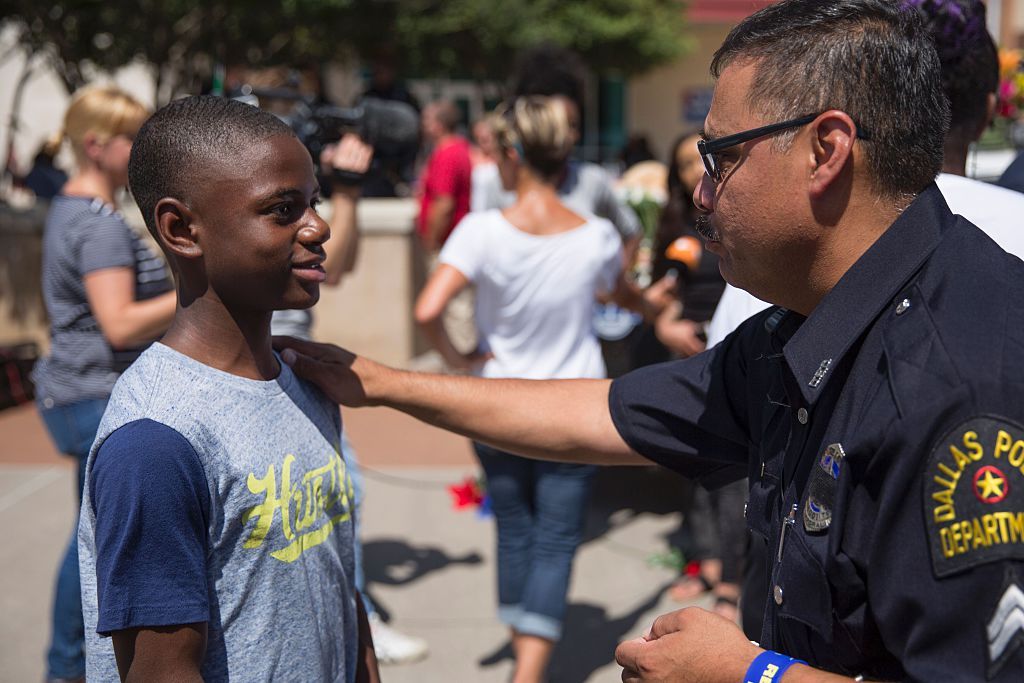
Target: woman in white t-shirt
point(537, 267)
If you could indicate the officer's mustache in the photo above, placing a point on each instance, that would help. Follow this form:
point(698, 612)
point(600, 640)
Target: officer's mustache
point(706, 230)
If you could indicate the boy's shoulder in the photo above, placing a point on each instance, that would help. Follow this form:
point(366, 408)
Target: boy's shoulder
point(199, 401)
point(139, 387)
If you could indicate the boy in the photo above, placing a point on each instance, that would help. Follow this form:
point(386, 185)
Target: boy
point(216, 532)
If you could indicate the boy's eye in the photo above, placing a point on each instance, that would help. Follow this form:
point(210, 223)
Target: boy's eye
point(285, 210)
point(290, 209)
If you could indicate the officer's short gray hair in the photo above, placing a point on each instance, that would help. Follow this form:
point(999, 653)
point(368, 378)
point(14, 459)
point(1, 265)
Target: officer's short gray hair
point(864, 57)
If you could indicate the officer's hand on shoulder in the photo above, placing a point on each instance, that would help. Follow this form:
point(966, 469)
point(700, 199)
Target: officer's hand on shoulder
point(343, 376)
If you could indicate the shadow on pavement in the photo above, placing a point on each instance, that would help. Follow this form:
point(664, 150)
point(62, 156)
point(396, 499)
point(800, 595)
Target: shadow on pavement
point(590, 639)
point(590, 633)
point(622, 493)
point(393, 562)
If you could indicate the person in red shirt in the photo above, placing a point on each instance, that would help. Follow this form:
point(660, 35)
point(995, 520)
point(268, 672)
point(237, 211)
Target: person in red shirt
point(445, 183)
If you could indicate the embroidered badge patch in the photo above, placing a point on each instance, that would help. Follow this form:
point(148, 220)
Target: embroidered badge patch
point(974, 495)
point(1004, 631)
point(821, 489)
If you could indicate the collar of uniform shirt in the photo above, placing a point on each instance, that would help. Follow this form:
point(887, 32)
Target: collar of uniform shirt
point(864, 291)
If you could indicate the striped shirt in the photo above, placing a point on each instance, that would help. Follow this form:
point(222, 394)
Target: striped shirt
point(83, 235)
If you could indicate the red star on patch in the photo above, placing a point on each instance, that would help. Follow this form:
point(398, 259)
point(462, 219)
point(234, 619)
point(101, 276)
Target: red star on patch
point(990, 485)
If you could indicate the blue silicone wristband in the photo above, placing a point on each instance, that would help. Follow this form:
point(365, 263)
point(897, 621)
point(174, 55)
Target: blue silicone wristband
point(769, 666)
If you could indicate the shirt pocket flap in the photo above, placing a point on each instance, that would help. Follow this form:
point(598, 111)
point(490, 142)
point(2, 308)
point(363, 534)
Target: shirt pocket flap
point(803, 585)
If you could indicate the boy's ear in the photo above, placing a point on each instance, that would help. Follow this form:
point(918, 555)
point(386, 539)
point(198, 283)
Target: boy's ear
point(175, 224)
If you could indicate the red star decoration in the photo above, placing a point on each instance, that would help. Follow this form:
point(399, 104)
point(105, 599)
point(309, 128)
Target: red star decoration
point(467, 494)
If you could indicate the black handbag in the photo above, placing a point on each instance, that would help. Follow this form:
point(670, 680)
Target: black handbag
point(16, 363)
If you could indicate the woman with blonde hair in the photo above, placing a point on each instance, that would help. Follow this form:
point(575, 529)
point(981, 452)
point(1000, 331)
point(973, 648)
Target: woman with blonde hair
point(108, 294)
point(538, 267)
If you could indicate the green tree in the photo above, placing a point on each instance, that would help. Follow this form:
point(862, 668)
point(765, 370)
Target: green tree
point(182, 39)
point(481, 37)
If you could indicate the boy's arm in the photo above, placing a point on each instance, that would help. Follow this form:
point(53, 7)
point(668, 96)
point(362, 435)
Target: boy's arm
point(150, 504)
point(366, 668)
point(166, 653)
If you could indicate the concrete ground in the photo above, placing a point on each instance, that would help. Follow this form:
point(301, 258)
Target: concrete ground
point(430, 568)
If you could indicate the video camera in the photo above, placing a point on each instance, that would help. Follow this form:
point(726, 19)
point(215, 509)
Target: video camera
point(391, 128)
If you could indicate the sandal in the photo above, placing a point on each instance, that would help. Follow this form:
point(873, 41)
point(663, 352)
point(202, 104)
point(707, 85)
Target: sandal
point(727, 606)
point(690, 587)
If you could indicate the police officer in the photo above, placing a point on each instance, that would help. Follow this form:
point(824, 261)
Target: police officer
point(877, 409)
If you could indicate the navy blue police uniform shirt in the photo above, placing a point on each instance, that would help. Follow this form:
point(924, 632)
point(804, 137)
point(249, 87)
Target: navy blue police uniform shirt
point(884, 441)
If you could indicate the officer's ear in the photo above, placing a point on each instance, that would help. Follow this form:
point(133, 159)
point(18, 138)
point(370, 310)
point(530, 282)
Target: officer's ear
point(832, 136)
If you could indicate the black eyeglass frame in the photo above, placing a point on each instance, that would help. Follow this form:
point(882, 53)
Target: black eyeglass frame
point(708, 148)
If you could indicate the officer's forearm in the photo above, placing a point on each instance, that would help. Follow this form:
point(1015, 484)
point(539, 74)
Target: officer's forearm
point(564, 420)
point(801, 673)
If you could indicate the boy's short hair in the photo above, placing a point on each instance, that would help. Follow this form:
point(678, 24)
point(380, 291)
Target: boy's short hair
point(185, 135)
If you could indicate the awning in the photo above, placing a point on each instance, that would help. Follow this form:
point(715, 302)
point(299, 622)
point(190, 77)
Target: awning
point(723, 11)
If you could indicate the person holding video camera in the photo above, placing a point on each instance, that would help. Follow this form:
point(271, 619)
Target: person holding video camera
point(342, 167)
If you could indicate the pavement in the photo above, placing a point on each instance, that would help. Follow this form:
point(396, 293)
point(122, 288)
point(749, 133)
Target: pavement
point(430, 568)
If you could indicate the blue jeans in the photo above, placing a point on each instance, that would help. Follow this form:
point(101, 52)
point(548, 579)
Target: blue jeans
point(540, 508)
point(73, 429)
point(356, 475)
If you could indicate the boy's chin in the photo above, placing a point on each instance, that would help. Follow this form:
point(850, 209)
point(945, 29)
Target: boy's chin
point(294, 303)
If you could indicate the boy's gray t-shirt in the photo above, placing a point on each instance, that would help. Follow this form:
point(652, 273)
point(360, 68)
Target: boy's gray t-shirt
point(279, 528)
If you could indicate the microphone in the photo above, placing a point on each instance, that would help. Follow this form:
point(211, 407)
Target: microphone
point(685, 251)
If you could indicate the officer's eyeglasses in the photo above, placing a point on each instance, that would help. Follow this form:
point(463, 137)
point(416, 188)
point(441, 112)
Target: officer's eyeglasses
point(709, 149)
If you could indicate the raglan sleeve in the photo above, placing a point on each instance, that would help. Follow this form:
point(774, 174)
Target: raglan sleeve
point(151, 504)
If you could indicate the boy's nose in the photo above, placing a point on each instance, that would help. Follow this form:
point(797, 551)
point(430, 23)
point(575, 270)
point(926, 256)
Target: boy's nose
point(316, 231)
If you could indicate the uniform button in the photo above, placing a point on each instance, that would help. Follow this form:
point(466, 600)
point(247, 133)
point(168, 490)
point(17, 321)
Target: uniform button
point(47, 402)
point(902, 307)
point(777, 594)
point(801, 416)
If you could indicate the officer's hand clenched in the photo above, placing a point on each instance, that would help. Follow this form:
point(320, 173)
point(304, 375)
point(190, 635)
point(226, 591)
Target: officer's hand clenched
point(685, 646)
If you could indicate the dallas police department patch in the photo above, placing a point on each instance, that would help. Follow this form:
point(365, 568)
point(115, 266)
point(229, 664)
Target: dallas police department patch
point(974, 495)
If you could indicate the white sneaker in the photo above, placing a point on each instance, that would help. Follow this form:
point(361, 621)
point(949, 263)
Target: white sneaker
point(394, 647)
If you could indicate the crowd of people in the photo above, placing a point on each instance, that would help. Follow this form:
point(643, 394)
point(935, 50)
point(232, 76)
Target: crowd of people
point(854, 439)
